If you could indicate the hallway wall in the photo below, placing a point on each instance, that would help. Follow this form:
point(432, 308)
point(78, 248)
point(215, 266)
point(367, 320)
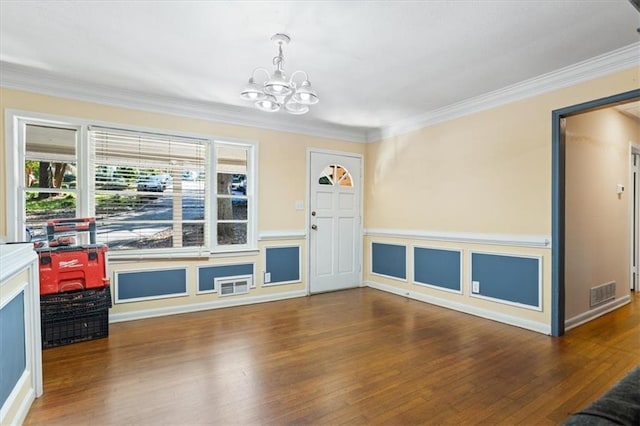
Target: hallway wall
point(597, 227)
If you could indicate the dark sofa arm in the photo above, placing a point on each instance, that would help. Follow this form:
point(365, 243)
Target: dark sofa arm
point(620, 405)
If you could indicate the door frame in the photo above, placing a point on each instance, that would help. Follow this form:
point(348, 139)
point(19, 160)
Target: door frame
point(558, 152)
point(307, 211)
point(634, 219)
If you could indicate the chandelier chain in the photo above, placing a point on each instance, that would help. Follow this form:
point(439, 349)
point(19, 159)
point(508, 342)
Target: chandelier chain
point(278, 61)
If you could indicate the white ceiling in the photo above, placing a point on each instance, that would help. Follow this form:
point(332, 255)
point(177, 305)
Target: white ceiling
point(373, 63)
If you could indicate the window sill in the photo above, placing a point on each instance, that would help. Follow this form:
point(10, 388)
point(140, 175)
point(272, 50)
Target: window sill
point(139, 255)
point(235, 253)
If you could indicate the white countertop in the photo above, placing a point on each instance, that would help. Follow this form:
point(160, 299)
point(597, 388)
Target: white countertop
point(14, 257)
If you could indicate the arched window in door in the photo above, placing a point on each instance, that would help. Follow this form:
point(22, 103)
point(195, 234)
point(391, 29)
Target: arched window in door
point(335, 174)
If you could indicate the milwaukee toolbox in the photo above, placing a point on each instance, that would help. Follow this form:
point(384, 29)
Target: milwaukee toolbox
point(65, 267)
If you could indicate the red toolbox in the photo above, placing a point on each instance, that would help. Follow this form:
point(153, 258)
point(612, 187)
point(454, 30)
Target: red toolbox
point(66, 268)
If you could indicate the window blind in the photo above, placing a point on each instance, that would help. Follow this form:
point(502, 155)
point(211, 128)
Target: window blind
point(149, 190)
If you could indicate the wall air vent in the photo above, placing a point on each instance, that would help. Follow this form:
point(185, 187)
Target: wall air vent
point(602, 293)
point(229, 286)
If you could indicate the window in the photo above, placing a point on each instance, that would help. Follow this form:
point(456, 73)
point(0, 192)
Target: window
point(335, 175)
point(50, 168)
point(232, 194)
point(148, 191)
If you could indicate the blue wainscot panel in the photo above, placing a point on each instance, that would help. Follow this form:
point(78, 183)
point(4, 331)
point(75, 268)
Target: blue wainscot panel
point(283, 263)
point(510, 278)
point(151, 284)
point(389, 260)
point(437, 267)
point(13, 360)
point(208, 274)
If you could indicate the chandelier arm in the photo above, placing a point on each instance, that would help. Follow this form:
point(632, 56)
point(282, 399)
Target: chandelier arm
point(253, 74)
point(306, 77)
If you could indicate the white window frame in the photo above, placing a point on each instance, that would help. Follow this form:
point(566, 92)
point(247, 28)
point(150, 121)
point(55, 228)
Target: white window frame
point(15, 120)
point(252, 195)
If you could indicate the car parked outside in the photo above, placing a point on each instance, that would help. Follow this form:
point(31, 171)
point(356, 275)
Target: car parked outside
point(151, 184)
point(166, 180)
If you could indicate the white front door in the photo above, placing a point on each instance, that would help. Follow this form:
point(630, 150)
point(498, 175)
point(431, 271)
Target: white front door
point(335, 234)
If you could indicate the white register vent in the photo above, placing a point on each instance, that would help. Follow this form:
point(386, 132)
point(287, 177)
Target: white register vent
point(229, 286)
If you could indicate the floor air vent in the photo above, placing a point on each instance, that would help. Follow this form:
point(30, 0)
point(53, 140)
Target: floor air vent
point(229, 286)
point(602, 293)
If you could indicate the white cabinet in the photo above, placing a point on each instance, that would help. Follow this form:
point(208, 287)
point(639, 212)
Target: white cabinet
point(20, 341)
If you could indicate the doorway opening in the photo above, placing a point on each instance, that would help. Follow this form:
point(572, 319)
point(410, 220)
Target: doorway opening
point(558, 198)
point(634, 196)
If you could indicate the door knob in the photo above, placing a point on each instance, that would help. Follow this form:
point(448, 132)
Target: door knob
point(314, 227)
point(313, 213)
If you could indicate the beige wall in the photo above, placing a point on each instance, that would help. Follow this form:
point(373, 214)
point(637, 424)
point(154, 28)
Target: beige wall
point(481, 173)
point(597, 218)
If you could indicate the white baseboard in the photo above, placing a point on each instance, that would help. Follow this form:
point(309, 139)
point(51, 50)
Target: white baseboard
point(595, 313)
point(195, 307)
point(25, 406)
point(463, 307)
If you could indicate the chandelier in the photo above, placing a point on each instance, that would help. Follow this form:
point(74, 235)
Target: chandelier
point(277, 90)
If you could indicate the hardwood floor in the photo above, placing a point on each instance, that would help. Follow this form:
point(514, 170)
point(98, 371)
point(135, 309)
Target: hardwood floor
point(352, 357)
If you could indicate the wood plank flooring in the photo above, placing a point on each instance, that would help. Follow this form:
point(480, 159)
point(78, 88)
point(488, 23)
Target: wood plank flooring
point(352, 357)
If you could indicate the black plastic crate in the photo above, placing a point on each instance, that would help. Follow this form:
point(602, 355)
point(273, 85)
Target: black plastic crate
point(79, 328)
point(74, 317)
point(77, 302)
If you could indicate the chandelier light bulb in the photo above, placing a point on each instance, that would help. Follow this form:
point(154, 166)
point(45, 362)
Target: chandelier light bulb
point(295, 108)
point(252, 92)
point(305, 94)
point(277, 90)
point(268, 104)
point(278, 84)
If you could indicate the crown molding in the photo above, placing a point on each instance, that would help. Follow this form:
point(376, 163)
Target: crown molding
point(20, 77)
point(608, 63)
point(29, 79)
